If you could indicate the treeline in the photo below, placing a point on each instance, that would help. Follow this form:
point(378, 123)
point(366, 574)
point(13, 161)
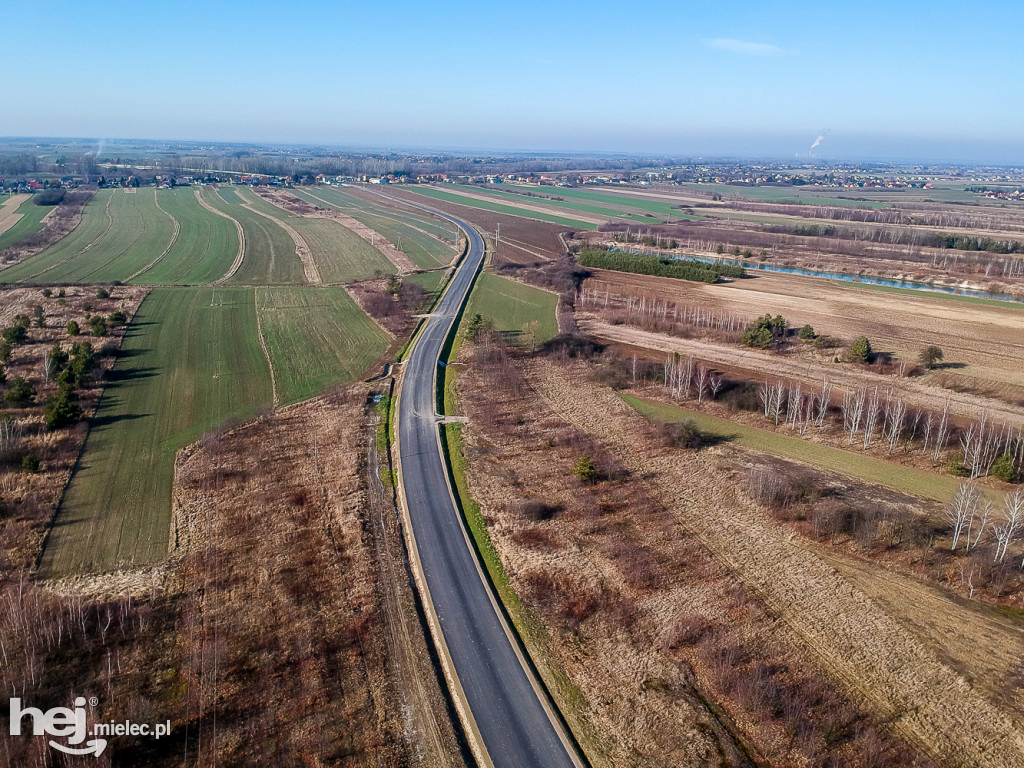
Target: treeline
point(681, 269)
point(908, 237)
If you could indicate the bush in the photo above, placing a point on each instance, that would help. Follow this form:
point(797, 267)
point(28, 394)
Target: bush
point(60, 410)
point(585, 470)
point(685, 434)
point(30, 464)
point(73, 329)
point(102, 293)
point(47, 293)
point(5, 351)
point(117, 318)
point(49, 197)
point(956, 468)
point(1004, 469)
point(478, 326)
point(87, 306)
point(21, 393)
point(860, 350)
point(98, 325)
point(61, 293)
point(15, 334)
point(806, 333)
point(764, 332)
point(930, 356)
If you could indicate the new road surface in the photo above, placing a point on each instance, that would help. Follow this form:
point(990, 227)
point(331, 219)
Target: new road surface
point(512, 716)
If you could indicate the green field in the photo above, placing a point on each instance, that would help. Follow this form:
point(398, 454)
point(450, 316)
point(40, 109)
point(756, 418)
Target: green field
point(317, 337)
point(511, 305)
point(191, 360)
point(269, 257)
point(31, 221)
point(620, 206)
point(412, 237)
point(428, 281)
point(111, 243)
point(340, 254)
point(850, 463)
point(487, 205)
point(95, 222)
point(204, 249)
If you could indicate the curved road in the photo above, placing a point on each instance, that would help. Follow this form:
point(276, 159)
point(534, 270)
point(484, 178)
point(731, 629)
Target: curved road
point(510, 712)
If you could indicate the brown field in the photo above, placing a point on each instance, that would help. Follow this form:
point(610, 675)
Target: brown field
point(984, 352)
point(525, 240)
point(277, 631)
point(657, 609)
point(8, 211)
point(907, 678)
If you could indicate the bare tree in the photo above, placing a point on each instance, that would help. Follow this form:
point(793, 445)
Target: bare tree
point(715, 382)
point(1011, 524)
point(701, 382)
point(962, 509)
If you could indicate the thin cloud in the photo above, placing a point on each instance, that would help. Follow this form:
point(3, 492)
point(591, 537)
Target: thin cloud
point(750, 49)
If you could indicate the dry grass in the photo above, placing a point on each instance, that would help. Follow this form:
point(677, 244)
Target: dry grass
point(861, 645)
point(676, 664)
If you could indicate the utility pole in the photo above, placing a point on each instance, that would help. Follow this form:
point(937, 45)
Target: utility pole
point(497, 237)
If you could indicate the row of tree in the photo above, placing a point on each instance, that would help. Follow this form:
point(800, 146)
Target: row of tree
point(684, 269)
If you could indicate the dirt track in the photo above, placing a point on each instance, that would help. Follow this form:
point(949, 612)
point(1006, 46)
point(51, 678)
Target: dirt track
point(854, 639)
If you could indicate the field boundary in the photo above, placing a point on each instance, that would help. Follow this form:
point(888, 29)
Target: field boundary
point(309, 268)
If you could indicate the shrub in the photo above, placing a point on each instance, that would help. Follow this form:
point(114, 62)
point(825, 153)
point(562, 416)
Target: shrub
point(49, 197)
point(61, 293)
point(860, 350)
point(537, 509)
point(87, 306)
point(30, 464)
point(21, 393)
point(47, 293)
point(956, 468)
point(117, 318)
point(764, 332)
point(98, 325)
point(5, 351)
point(73, 329)
point(102, 293)
point(685, 434)
point(930, 356)
point(478, 326)
point(60, 410)
point(585, 470)
point(15, 334)
point(806, 333)
point(1004, 469)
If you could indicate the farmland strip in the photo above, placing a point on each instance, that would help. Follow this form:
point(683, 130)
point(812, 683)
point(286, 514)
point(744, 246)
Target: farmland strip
point(241, 239)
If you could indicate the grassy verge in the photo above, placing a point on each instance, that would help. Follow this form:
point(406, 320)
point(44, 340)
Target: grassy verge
point(915, 482)
point(511, 306)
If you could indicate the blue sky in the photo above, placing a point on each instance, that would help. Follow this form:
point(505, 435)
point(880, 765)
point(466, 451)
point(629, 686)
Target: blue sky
point(907, 80)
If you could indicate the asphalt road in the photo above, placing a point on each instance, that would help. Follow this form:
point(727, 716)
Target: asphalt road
point(510, 716)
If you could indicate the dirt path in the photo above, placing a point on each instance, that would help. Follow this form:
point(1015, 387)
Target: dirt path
point(765, 365)
point(174, 237)
point(853, 639)
point(309, 268)
point(263, 343)
point(241, 238)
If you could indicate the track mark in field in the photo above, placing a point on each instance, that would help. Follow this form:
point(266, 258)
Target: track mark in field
point(174, 237)
point(263, 343)
point(241, 238)
point(309, 268)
